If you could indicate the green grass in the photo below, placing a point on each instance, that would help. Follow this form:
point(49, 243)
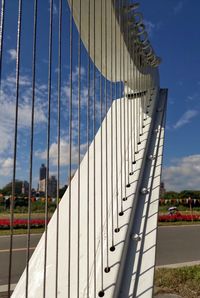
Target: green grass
point(24, 215)
point(22, 231)
point(178, 223)
point(183, 281)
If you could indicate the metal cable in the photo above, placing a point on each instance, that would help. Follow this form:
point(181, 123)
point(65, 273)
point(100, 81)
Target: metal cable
point(31, 143)
point(140, 100)
point(70, 143)
point(121, 149)
point(128, 107)
point(88, 156)
point(142, 107)
point(148, 102)
point(59, 78)
point(131, 112)
point(1, 35)
point(124, 108)
point(116, 128)
point(136, 102)
point(94, 148)
point(101, 130)
point(132, 108)
point(111, 147)
point(15, 141)
point(106, 142)
point(79, 145)
point(48, 140)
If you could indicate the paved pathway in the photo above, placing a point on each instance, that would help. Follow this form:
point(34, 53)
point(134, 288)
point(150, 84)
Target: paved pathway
point(178, 244)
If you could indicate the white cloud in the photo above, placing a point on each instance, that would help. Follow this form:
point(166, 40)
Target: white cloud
point(186, 118)
point(183, 173)
point(55, 9)
point(151, 27)
point(12, 53)
point(6, 166)
point(7, 110)
point(178, 7)
point(193, 97)
point(64, 153)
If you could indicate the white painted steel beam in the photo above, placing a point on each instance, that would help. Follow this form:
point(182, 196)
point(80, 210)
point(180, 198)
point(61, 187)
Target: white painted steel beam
point(136, 275)
point(148, 75)
point(133, 221)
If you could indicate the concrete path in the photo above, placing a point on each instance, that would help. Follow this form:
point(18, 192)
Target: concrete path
point(167, 296)
point(178, 244)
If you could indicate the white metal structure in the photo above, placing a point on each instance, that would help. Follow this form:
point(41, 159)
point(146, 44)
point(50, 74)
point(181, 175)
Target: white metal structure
point(101, 240)
point(132, 262)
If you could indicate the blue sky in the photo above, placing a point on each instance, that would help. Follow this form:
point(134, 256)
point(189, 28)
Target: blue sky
point(174, 29)
point(8, 93)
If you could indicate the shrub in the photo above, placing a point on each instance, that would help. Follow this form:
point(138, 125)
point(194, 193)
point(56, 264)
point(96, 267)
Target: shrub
point(21, 223)
point(178, 217)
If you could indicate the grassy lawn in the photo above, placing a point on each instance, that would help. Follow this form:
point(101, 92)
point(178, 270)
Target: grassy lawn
point(183, 281)
point(22, 231)
point(179, 223)
point(24, 215)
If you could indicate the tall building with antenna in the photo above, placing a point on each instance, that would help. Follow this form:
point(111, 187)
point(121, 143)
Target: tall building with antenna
point(42, 180)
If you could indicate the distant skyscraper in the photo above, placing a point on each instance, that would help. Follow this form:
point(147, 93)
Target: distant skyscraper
point(42, 180)
point(43, 171)
point(52, 186)
point(42, 185)
point(52, 182)
point(25, 187)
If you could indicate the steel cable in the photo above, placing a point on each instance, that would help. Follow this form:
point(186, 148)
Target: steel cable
point(31, 142)
point(48, 141)
point(94, 146)
point(15, 141)
point(116, 128)
point(101, 131)
point(59, 78)
point(106, 144)
point(79, 144)
point(1, 35)
point(124, 110)
point(88, 156)
point(70, 143)
point(111, 147)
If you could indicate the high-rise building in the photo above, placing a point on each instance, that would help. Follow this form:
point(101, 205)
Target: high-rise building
point(43, 171)
point(42, 180)
point(25, 187)
point(52, 186)
point(42, 185)
point(52, 183)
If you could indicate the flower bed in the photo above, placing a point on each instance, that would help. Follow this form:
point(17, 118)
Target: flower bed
point(178, 217)
point(21, 223)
